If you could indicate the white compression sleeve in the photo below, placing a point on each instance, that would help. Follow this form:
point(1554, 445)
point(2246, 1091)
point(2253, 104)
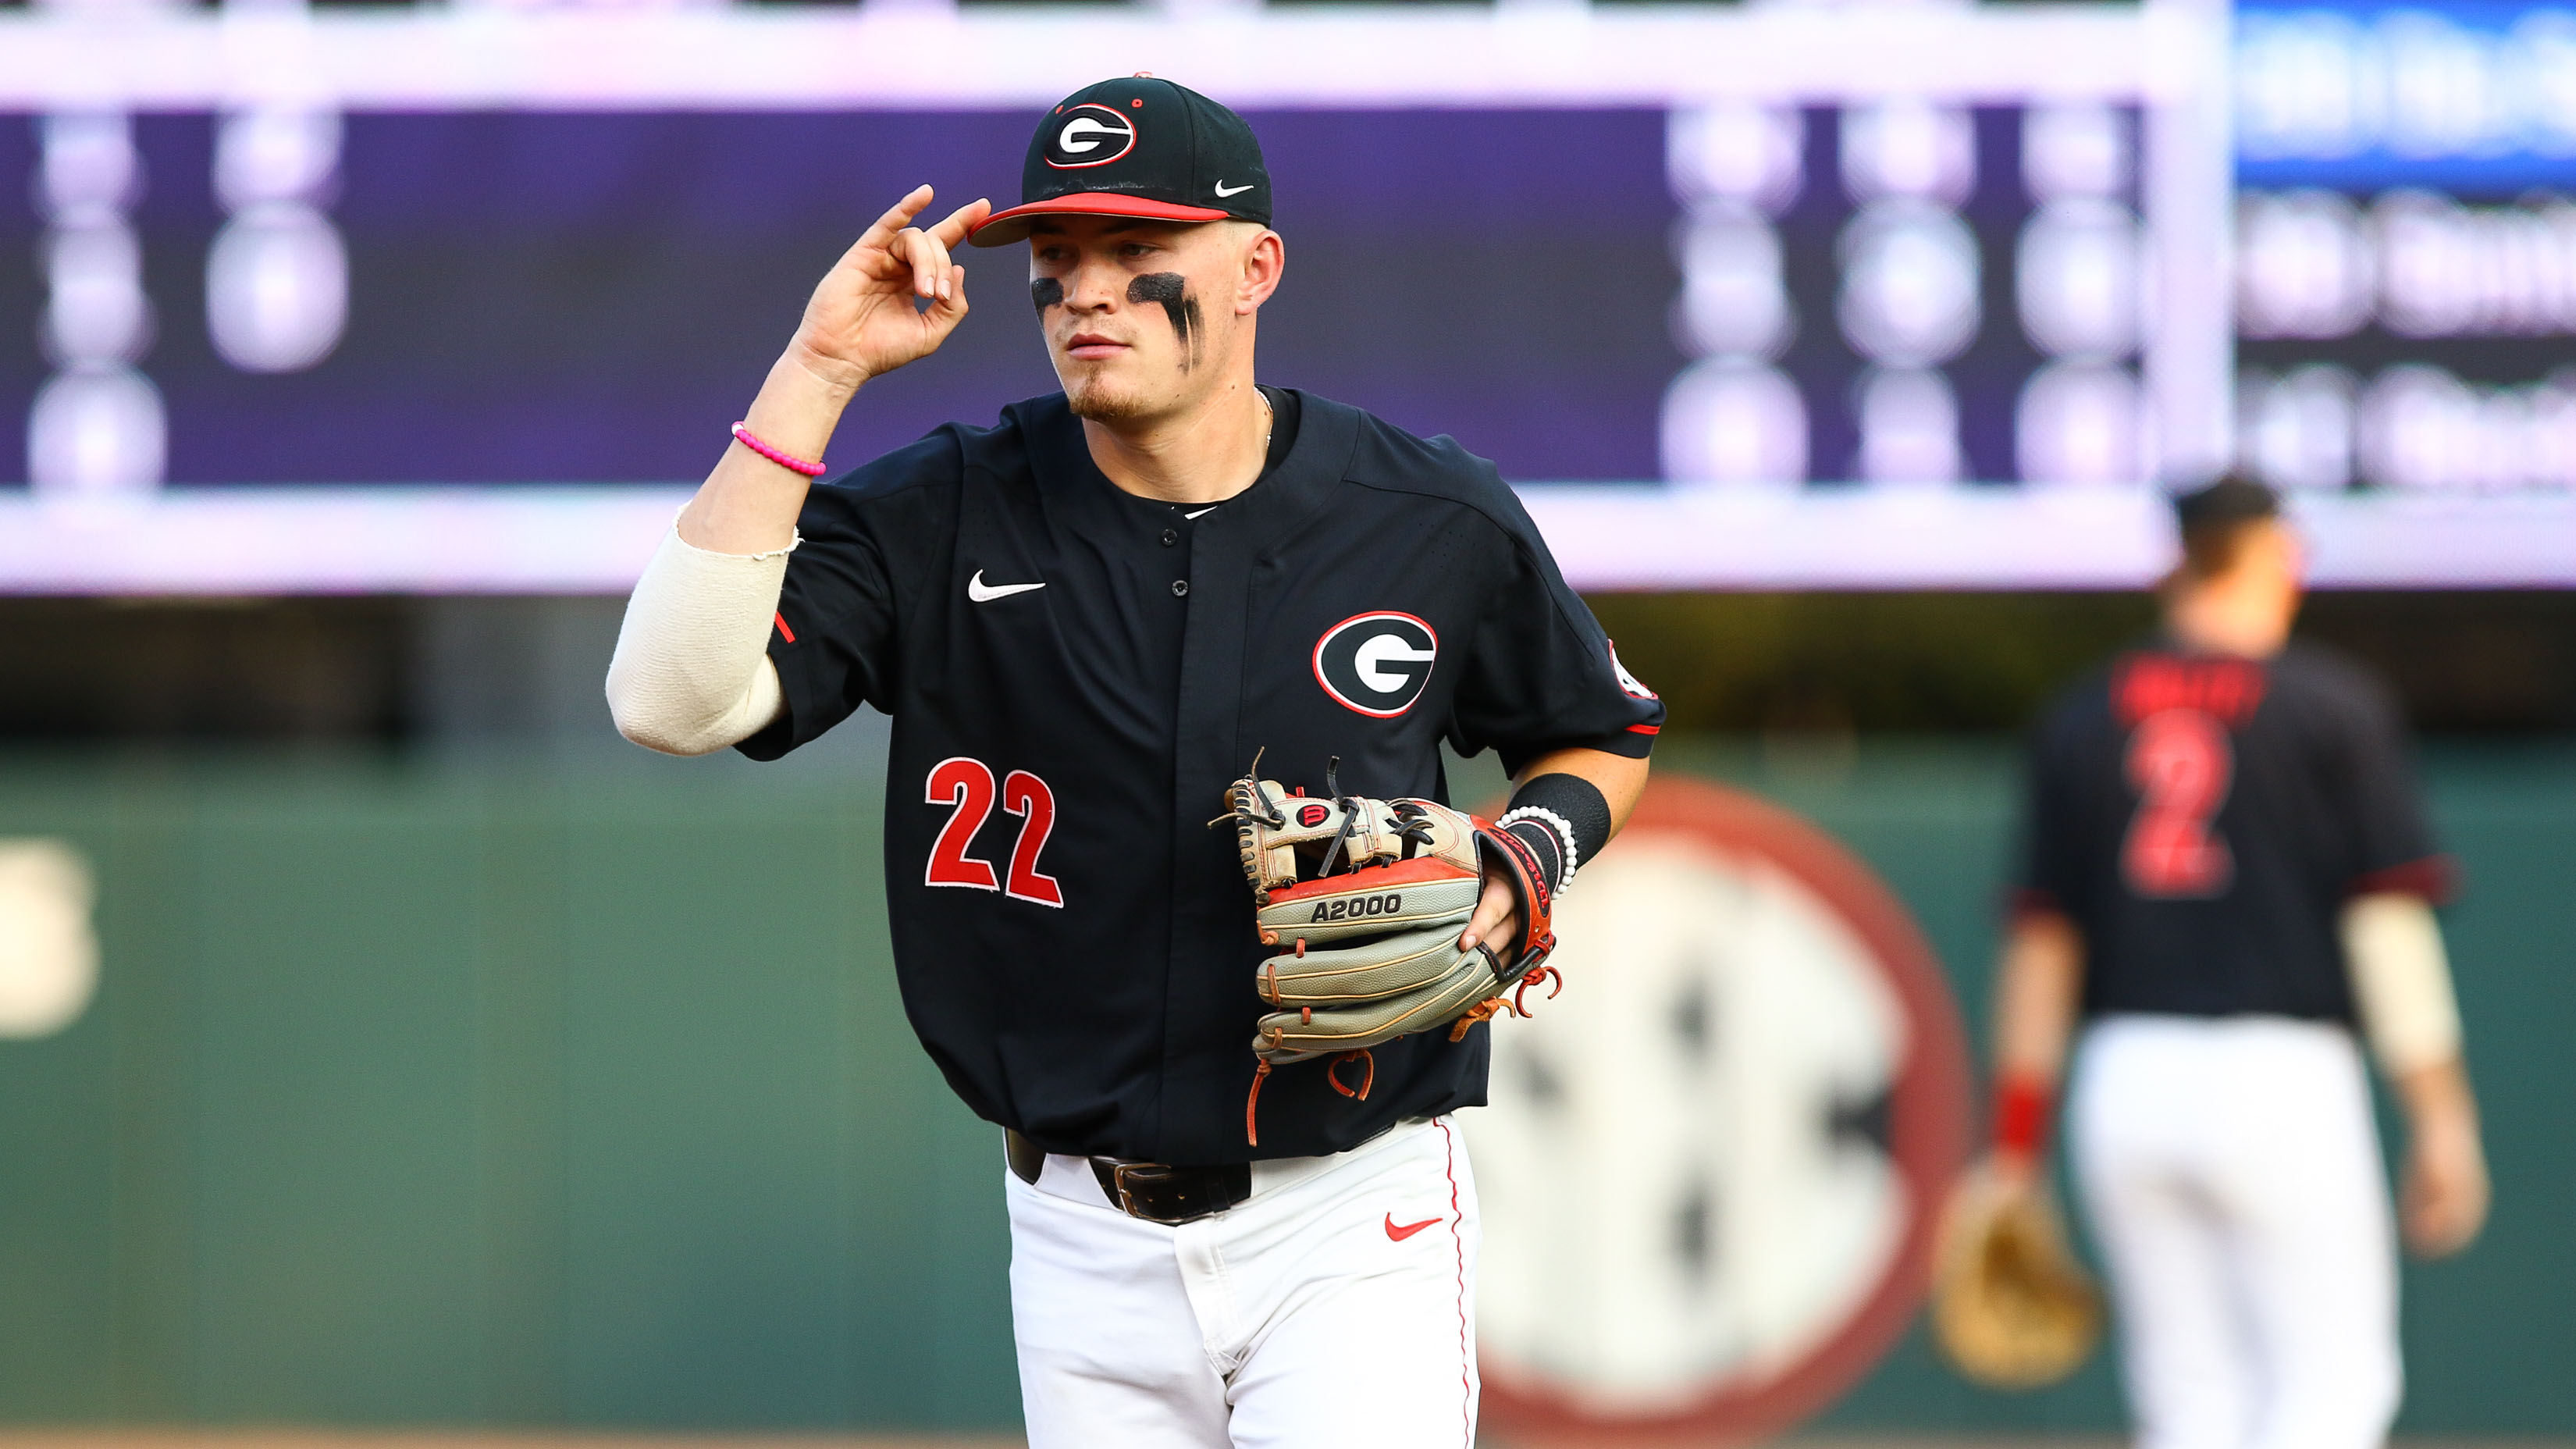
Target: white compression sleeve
point(2401, 980)
point(692, 672)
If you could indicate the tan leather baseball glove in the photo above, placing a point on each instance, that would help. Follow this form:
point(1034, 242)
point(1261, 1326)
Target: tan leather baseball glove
point(2011, 1306)
point(1367, 899)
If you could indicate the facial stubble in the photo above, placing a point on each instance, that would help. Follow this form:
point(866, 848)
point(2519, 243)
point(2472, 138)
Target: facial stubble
point(1168, 290)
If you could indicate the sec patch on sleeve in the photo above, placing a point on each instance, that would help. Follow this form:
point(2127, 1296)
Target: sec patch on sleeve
point(1377, 664)
point(1629, 684)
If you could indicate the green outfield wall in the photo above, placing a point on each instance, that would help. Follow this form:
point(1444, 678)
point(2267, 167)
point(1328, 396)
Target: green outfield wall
point(504, 1091)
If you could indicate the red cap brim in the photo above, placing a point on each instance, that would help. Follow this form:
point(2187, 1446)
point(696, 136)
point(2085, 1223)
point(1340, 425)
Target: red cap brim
point(1004, 227)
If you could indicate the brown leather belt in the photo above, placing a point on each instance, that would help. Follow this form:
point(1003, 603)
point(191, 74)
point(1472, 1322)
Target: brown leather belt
point(1155, 1191)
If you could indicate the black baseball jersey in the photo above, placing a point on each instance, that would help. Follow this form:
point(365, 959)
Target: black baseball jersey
point(1075, 675)
point(2203, 819)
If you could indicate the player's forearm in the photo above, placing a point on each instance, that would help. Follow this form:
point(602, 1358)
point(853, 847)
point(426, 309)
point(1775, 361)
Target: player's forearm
point(749, 504)
point(2437, 1095)
point(1565, 807)
point(1619, 778)
point(2036, 989)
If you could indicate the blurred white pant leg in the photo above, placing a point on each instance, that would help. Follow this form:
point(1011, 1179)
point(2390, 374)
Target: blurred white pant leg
point(1347, 1335)
point(2320, 1248)
point(2231, 1172)
point(1110, 1353)
point(2185, 1355)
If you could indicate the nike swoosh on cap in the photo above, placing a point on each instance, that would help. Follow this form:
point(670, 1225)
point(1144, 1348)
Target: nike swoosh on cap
point(1399, 1234)
point(982, 592)
point(1224, 190)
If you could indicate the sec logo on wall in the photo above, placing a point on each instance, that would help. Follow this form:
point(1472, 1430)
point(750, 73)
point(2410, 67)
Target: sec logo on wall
point(1711, 1167)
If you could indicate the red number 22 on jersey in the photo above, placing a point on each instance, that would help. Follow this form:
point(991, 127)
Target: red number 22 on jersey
point(967, 785)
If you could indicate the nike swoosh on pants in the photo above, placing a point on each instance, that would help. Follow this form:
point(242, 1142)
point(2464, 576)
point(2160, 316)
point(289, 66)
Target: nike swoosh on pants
point(1399, 1234)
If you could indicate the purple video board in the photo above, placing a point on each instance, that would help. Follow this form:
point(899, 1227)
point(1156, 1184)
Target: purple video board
point(550, 298)
point(1913, 299)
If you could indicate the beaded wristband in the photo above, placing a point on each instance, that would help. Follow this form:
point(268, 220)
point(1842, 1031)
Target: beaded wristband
point(1561, 827)
point(742, 435)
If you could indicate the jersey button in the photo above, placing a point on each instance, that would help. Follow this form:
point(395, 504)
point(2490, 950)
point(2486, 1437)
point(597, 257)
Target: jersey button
point(1171, 536)
point(1180, 588)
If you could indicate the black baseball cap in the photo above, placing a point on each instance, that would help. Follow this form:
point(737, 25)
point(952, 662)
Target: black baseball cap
point(2234, 498)
point(1137, 146)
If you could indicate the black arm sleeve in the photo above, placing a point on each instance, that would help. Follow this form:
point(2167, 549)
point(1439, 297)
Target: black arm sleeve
point(1540, 674)
point(868, 539)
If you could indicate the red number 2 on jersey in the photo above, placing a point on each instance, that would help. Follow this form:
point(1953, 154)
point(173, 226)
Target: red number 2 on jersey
point(1028, 797)
point(966, 785)
point(2181, 763)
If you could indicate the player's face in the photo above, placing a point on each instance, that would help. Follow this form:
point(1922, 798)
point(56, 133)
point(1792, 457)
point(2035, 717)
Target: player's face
point(1144, 318)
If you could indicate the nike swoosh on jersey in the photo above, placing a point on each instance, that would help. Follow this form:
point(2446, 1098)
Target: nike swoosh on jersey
point(984, 593)
point(1224, 190)
point(1399, 1234)
point(1211, 508)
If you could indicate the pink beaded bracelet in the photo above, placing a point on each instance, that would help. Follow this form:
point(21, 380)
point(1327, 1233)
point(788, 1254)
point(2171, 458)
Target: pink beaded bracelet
point(742, 435)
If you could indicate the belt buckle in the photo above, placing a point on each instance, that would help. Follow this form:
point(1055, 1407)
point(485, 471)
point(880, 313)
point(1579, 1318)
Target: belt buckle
point(1131, 1179)
point(1126, 1194)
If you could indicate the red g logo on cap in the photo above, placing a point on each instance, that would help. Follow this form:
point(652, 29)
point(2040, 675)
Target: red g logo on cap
point(1089, 134)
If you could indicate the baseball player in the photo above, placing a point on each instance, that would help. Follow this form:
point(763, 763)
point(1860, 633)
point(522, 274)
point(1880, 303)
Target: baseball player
point(2227, 872)
point(1239, 1211)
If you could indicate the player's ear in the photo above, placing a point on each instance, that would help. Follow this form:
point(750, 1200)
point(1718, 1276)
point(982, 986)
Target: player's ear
point(1265, 256)
point(2294, 557)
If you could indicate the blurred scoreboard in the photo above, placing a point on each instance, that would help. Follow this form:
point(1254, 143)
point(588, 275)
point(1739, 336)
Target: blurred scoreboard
point(2406, 247)
point(1899, 294)
point(1778, 296)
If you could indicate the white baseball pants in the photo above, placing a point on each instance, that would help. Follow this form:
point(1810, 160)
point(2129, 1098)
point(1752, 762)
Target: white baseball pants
point(1335, 1307)
point(2231, 1172)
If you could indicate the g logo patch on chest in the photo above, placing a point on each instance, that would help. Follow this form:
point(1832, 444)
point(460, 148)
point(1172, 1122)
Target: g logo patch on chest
point(1377, 664)
point(1089, 135)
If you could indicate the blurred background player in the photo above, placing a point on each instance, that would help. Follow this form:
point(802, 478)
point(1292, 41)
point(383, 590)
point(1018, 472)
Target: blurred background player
point(2227, 870)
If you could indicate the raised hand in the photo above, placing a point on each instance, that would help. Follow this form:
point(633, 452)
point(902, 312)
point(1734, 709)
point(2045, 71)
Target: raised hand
point(862, 319)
